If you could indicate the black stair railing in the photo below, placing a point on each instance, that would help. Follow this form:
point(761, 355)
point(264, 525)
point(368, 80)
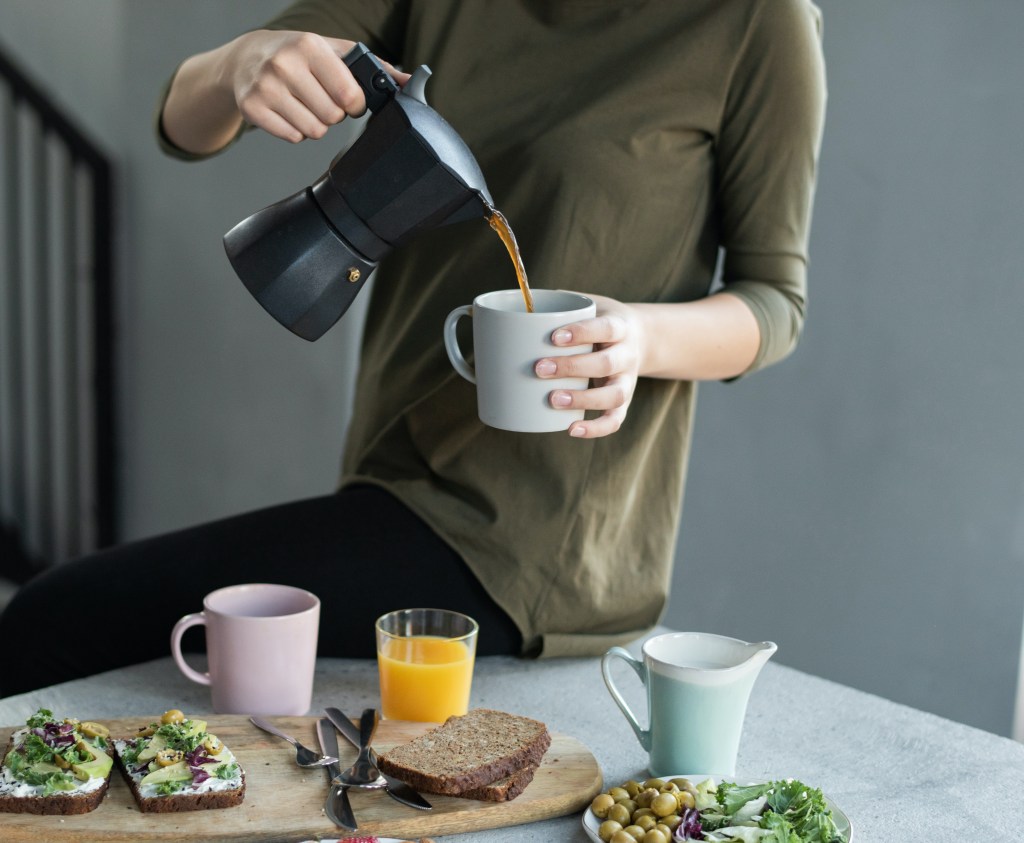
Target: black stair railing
point(57, 454)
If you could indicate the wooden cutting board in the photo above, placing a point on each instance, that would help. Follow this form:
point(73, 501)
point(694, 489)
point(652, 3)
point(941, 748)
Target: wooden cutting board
point(285, 803)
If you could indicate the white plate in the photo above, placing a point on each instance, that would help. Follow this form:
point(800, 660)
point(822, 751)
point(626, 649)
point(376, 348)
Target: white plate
point(843, 824)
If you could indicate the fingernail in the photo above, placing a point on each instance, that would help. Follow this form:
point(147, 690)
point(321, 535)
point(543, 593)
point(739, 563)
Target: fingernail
point(561, 336)
point(577, 431)
point(561, 399)
point(545, 367)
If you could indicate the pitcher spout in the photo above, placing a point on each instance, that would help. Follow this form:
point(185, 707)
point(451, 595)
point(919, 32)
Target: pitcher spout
point(761, 652)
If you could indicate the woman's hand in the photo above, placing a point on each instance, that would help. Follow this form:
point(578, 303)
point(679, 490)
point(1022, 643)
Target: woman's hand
point(293, 85)
point(708, 339)
point(613, 366)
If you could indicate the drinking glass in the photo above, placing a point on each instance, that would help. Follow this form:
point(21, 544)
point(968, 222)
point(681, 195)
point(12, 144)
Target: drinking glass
point(425, 658)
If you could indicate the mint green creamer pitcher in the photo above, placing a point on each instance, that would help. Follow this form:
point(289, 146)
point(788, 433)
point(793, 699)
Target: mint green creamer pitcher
point(698, 685)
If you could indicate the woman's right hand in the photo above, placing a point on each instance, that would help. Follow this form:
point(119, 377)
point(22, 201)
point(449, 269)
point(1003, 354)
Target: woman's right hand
point(295, 85)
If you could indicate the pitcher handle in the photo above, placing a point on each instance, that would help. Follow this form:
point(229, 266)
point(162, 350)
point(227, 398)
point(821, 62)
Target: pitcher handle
point(642, 735)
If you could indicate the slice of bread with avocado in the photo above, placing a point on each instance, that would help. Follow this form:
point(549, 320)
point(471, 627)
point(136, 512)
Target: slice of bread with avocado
point(176, 765)
point(55, 766)
point(483, 754)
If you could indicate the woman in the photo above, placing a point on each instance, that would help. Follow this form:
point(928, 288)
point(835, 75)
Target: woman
point(628, 142)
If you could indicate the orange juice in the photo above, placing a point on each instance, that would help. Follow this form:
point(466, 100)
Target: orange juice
point(424, 678)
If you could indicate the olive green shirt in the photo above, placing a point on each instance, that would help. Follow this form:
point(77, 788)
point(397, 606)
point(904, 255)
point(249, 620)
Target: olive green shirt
point(626, 141)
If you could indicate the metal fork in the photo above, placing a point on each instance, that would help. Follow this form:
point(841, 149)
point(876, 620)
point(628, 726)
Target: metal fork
point(304, 756)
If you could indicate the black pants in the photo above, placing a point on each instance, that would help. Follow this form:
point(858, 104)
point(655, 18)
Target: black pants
point(360, 551)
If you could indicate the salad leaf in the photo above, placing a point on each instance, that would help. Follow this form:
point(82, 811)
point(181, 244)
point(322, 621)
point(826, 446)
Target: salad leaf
point(772, 812)
point(40, 719)
point(732, 796)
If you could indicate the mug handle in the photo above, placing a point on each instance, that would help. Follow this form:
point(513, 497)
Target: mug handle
point(642, 735)
point(187, 622)
point(451, 342)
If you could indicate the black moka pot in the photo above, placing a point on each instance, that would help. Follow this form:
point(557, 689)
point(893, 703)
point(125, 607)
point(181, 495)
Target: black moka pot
point(305, 257)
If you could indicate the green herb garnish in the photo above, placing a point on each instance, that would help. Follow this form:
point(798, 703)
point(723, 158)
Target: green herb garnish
point(167, 788)
point(40, 719)
point(226, 771)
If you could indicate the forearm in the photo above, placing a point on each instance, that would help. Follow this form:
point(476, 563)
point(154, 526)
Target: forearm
point(200, 114)
point(709, 339)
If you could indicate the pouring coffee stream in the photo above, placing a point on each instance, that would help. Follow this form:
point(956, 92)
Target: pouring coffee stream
point(306, 257)
point(500, 224)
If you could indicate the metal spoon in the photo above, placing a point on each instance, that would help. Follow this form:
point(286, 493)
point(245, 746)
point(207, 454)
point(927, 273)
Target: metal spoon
point(364, 773)
point(304, 756)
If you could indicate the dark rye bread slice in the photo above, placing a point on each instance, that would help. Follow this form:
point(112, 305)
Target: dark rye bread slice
point(180, 802)
point(175, 803)
point(61, 803)
point(503, 790)
point(468, 752)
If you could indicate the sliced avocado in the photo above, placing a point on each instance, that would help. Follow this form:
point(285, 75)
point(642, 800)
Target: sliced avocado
point(43, 768)
point(171, 773)
point(195, 727)
point(97, 767)
point(156, 743)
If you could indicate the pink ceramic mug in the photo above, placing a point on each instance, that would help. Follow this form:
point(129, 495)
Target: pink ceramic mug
point(261, 648)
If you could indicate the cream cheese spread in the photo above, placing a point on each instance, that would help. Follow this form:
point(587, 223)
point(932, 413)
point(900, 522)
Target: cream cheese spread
point(211, 784)
point(11, 786)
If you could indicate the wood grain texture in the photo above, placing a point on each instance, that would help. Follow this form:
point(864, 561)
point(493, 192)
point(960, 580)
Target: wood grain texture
point(285, 803)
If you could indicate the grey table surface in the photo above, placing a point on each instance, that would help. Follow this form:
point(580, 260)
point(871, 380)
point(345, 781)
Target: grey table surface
point(898, 773)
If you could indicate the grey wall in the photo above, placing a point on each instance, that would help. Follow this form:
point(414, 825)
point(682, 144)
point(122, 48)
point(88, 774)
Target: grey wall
point(862, 504)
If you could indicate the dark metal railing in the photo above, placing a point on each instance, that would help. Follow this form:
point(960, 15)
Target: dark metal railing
point(56, 333)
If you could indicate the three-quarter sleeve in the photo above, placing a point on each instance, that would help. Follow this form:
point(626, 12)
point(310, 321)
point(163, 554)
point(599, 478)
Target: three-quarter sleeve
point(767, 156)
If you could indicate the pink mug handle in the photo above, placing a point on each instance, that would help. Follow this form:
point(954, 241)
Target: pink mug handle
point(187, 622)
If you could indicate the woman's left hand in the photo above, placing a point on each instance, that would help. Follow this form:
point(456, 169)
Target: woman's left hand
point(612, 367)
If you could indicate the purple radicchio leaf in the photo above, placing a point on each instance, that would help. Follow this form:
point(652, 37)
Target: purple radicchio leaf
point(690, 828)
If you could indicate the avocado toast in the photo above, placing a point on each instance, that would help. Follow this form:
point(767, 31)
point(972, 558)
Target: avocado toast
point(55, 766)
point(176, 765)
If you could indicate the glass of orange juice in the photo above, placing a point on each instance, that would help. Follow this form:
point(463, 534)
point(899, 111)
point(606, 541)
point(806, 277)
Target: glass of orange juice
point(425, 657)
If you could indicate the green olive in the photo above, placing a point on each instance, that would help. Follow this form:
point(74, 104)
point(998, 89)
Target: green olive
point(629, 805)
point(632, 787)
point(635, 832)
point(622, 836)
point(644, 797)
point(602, 802)
point(619, 813)
point(685, 799)
point(669, 787)
point(643, 812)
point(664, 804)
point(618, 794)
point(687, 785)
point(607, 829)
point(657, 784)
point(645, 821)
point(172, 715)
point(664, 829)
point(673, 821)
point(656, 836)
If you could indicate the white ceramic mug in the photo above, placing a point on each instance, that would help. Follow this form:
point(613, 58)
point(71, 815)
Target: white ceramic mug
point(261, 648)
point(507, 343)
